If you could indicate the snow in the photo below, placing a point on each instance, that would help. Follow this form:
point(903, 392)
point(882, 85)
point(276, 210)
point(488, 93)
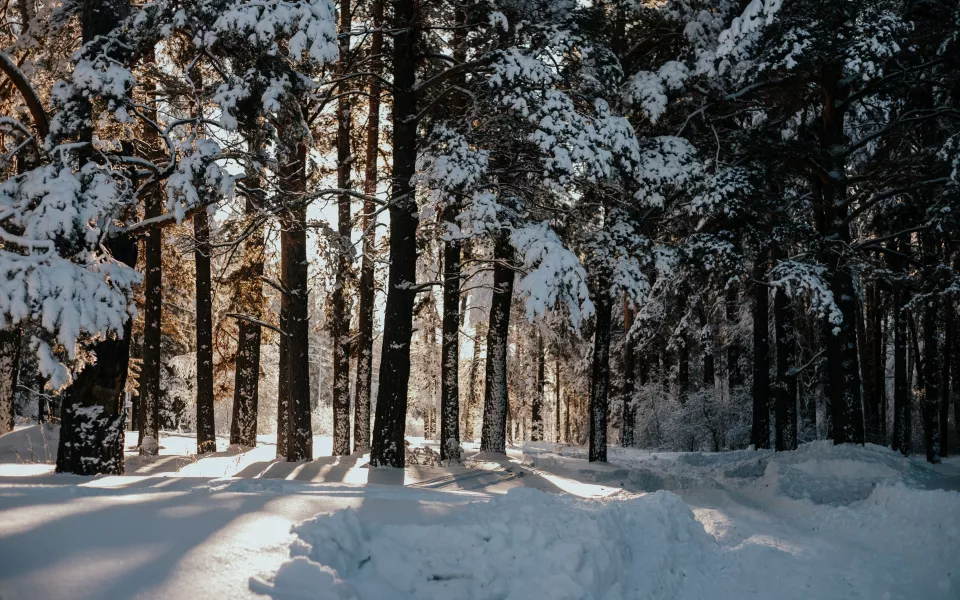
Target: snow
point(821, 522)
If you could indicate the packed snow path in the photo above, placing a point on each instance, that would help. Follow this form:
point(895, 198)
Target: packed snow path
point(821, 522)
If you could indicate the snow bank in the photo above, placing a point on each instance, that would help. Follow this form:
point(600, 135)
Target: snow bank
point(525, 544)
point(820, 472)
point(30, 444)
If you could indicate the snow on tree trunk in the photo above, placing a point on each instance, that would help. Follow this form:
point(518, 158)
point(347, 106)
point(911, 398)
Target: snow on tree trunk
point(493, 435)
point(10, 343)
point(600, 380)
point(206, 435)
point(361, 415)
point(387, 448)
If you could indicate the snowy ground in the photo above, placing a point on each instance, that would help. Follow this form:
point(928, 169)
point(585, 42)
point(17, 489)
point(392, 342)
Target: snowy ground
point(822, 522)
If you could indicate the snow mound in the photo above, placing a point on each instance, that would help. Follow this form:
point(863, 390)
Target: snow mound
point(827, 474)
point(525, 544)
point(30, 444)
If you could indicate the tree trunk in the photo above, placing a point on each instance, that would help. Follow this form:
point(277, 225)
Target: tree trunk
point(955, 363)
point(786, 392)
point(92, 414)
point(734, 374)
point(472, 408)
point(206, 434)
point(556, 393)
point(495, 401)
point(246, 387)
point(949, 321)
point(931, 363)
point(361, 405)
point(340, 318)
point(10, 344)
point(600, 381)
point(390, 417)
point(536, 408)
point(294, 307)
point(901, 387)
point(760, 431)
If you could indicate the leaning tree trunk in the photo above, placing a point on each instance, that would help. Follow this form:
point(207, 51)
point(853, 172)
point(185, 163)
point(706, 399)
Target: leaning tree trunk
point(10, 343)
point(340, 317)
point(246, 395)
point(600, 380)
point(92, 411)
point(493, 435)
point(206, 433)
point(786, 392)
point(760, 431)
point(294, 307)
point(390, 418)
point(361, 405)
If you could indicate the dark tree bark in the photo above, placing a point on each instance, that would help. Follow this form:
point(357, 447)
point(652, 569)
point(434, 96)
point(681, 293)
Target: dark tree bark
point(627, 411)
point(842, 350)
point(10, 344)
point(760, 431)
point(536, 408)
point(931, 364)
point(390, 418)
point(361, 405)
point(206, 434)
point(734, 373)
point(600, 381)
point(949, 319)
point(556, 393)
point(92, 414)
point(786, 391)
point(955, 362)
point(340, 319)
point(246, 394)
point(149, 438)
point(901, 387)
point(294, 306)
point(495, 402)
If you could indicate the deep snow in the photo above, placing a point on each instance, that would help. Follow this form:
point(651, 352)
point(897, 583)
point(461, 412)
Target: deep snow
point(821, 522)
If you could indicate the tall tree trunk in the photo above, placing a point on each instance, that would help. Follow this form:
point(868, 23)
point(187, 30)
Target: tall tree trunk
point(955, 362)
point(627, 410)
point(931, 361)
point(10, 344)
point(842, 349)
point(495, 401)
point(786, 392)
point(150, 369)
point(556, 393)
point(294, 306)
point(473, 399)
point(734, 373)
point(340, 319)
point(92, 414)
point(536, 408)
point(361, 405)
point(391, 413)
point(760, 431)
point(901, 387)
point(949, 321)
point(206, 433)
point(246, 394)
point(600, 381)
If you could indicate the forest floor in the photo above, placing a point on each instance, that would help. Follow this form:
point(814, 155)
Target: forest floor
point(821, 522)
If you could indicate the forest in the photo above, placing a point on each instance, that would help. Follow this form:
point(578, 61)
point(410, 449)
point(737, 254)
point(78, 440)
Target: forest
point(679, 224)
point(479, 299)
